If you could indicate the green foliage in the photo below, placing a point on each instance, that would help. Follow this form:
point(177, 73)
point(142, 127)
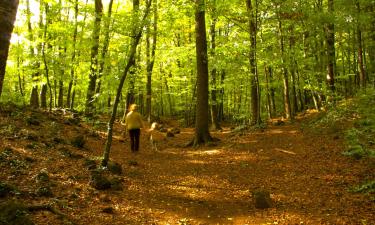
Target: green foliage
point(302, 28)
point(14, 213)
point(367, 188)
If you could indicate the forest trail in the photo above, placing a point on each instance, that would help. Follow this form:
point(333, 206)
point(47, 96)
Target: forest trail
point(303, 170)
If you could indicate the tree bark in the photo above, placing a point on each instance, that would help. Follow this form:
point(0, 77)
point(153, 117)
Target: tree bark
point(330, 39)
point(151, 60)
point(34, 95)
point(287, 107)
point(362, 73)
point(107, 27)
point(254, 84)
point(8, 12)
point(90, 97)
point(215, 125)
point(202, 134)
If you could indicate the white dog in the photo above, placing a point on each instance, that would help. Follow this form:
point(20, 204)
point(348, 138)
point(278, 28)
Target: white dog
point(155, 136)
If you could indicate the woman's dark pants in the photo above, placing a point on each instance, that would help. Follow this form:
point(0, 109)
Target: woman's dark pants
point(134, 139)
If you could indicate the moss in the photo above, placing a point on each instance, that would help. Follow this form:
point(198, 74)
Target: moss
point(13, 213)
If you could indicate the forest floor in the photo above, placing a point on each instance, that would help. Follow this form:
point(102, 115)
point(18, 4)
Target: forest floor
point(43, 163)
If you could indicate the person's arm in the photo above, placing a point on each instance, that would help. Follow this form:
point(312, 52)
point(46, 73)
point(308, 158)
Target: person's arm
point(140, 120)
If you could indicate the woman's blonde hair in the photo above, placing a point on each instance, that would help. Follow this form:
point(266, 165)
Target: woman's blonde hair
point(133, 107)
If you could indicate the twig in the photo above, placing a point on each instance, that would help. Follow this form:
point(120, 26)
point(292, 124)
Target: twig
point(285, 151)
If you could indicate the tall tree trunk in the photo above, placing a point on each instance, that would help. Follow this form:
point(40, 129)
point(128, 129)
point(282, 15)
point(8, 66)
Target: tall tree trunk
point(34, 98)
point(169, 98)
point(151, 59)
point(43, 96)
point(222, 95)
point(202, 134)
point(44, 46)
point(8, 11)
point(215, 125)
point(90, 97)
point(60, 101)
point(270, 93)
point(331, 59)
point(362, 73)
point(130, 97)
point(287, 107)
point(255, 95)
point(133, 48)
point(107, 27)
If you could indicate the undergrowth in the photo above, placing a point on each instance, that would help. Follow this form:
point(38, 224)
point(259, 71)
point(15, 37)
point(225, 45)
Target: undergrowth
point(354, 119)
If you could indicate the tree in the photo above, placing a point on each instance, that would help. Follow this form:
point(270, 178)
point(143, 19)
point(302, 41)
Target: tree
point(202, 134)
point(107, 31)
point(331, 58)
point(150, 51)
point(129, 62)
point(215, 125)
point(362, 73)
point(287, 107)
point(90, 97)
point(254, 80)
point(7, 18)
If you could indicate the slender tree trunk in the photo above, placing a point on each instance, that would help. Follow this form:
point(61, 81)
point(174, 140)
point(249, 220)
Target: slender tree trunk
point(330, 39)
point(43, 96)
point(44, 47)
point(255, 95)
point(130, 58)
point(362, 73)
point(8, 11)
point(73, 57)
point(169, 98)
point(202, 134)
point(20, 80)
point(60, 101)
point(287, 107)
point(34, 99)
point(90, 97)
point(222, 95)
point(270, 93)
point(107, 27)
point(293, 67)
point(130, 98)
point(215, 125)
point(151, 60)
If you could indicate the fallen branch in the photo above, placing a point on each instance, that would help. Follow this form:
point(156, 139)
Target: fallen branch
point(285, 151)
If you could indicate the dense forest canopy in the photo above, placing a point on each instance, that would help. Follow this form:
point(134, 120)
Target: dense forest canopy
point(236, 79)
point(266, 57)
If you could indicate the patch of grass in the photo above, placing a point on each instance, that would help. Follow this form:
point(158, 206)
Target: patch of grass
point(360, 136)
point(367, 188)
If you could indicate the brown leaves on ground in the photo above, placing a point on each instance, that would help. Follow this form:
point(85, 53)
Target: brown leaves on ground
point(304, 172)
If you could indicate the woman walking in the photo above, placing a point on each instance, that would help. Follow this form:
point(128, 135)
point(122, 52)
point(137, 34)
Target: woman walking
point(133, 124)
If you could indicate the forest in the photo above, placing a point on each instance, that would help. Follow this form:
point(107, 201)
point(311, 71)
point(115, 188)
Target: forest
point(264, 111)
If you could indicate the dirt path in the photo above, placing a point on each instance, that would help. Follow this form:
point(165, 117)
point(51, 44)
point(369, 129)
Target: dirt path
point(304, 171)
point(306, 174)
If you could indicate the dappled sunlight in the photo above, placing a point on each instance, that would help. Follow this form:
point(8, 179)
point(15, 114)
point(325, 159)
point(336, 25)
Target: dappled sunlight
point(205, 152)
point(211, 184)
point(276, 131)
